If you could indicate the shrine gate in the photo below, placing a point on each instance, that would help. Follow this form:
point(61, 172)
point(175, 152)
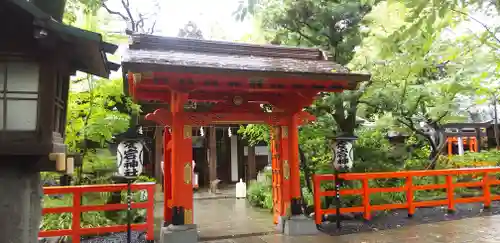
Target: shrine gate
point(194, 83)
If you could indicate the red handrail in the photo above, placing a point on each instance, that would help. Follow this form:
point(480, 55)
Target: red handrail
point(409, 188)
point(76, 209)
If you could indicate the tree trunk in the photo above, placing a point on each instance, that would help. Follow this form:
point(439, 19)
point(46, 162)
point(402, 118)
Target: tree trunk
point(495, 128)
point(437, 143)
point(305, 169)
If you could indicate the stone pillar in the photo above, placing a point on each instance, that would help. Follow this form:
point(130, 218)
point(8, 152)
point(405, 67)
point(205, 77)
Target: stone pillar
point(20, 204)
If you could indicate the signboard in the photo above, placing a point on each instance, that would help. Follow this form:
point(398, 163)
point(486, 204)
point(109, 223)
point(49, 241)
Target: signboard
point(129, 156)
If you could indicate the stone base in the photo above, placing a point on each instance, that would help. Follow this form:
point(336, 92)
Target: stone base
point(300, 225)
point(280, 226)
point(179, 234)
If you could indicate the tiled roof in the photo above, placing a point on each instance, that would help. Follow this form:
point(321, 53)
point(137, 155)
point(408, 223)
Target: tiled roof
point(220, 55)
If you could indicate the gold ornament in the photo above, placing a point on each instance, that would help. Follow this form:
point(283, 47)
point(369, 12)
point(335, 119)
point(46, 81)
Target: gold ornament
point(187, 173)
point(188, 216)
point(284, 132)
point(187, 131)
point(286, 169)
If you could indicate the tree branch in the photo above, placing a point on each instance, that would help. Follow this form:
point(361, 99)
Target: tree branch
point(492, 34)
point(126, 5)
point(308, 38)
point(114, 12)
point(441, 117)
point(316, 30)
point(409, 123)
point(152, 29)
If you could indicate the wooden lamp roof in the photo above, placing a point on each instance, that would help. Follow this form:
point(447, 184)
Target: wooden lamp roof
point(88, 50)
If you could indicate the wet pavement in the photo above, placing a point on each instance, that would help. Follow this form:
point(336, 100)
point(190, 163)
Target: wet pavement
point(478, 230)
point(233, 218)
point(222, 216)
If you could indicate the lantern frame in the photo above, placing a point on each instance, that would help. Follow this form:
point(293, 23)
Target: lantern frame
point(45, 119)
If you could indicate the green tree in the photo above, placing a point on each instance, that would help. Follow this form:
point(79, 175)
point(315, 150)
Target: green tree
point(97, 108)
point(419, 79)
point(331, 26)
point(94, 116)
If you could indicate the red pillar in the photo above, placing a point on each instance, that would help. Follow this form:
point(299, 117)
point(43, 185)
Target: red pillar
point(182, 176)
point(285, 165)
point(277, 176)
point(167, 178)
point(293, 137)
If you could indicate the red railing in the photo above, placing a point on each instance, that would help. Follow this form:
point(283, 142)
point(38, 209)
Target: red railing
point(409, 188)
point(76, 209)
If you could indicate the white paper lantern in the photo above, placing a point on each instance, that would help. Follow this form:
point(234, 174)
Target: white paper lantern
point(130, 158)
point(343, 153)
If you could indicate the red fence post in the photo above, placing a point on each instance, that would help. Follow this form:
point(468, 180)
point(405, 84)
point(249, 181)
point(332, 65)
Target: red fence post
point(76, 212)
point(366, 199)
point(150, 220)
point(486, 190)
point(317, 199)
point(450, 190)
point(409, 195)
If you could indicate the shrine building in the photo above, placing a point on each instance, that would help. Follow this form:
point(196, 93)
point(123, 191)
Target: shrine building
point(188, 88)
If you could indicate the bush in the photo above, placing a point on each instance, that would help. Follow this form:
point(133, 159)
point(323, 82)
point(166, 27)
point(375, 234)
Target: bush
point(260, 195)
point(481, 159)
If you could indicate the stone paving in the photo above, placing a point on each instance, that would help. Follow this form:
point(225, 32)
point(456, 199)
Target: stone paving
point(222, 215)
point(233, 218)
point(471, 230)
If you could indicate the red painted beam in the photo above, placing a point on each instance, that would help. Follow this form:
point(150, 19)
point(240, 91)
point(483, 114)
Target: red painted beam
point(164, 117)
point(185, 82)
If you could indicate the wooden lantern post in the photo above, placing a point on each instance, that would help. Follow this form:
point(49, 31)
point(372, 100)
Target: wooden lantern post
point(342, 148)
point(38, 54)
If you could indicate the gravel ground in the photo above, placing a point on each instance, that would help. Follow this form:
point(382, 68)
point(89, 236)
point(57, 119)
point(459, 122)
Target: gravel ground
point(137, 237)
point(398, 218)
